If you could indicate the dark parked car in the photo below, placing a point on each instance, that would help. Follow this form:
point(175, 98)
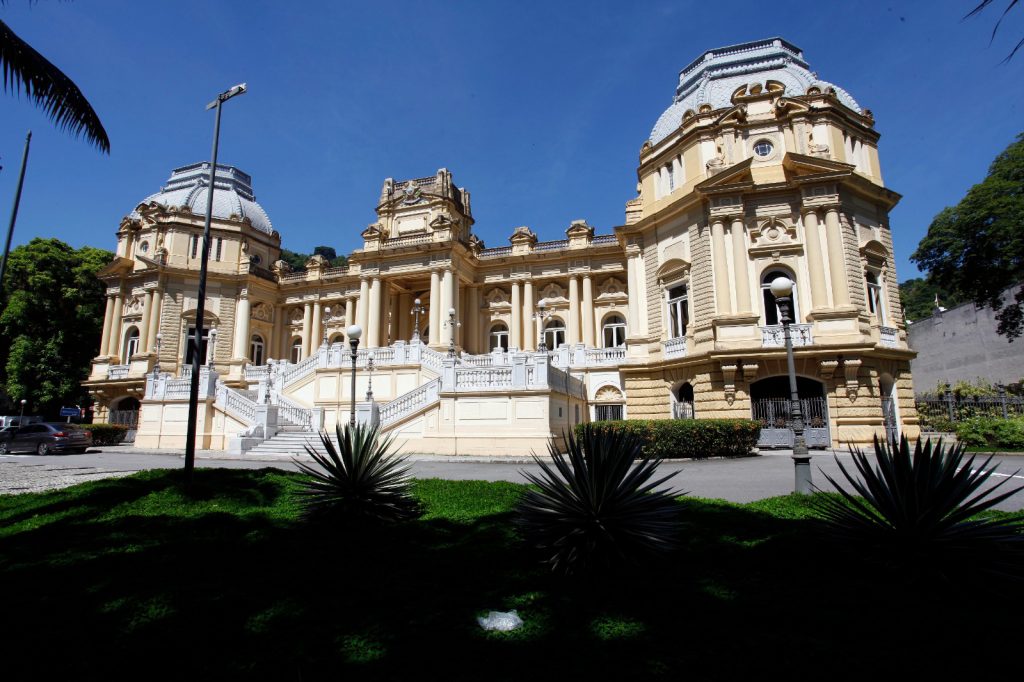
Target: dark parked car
point(45, 439)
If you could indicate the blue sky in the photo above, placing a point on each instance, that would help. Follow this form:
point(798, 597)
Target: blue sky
point(538, 108)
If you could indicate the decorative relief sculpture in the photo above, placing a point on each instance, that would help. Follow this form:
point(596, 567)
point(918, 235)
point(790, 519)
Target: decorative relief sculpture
point(497, 297)
point(263, 311)
point(552, 292)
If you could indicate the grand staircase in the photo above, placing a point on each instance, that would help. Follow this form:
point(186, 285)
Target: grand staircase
point(290, 441)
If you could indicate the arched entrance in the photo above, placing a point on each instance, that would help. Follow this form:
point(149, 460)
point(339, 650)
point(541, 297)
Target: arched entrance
point(126, 412)
point(770, 405)
point(887, 388)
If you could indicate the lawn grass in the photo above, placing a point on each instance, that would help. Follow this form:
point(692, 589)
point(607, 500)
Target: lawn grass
point(130, 578)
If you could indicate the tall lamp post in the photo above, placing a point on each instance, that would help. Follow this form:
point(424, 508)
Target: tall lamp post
point(354, 332)
point(369, 377)
point(21, 420)
point(782, 290)
point(327, 317)
point(417, 310)
point(193, 391)
point(453, 324)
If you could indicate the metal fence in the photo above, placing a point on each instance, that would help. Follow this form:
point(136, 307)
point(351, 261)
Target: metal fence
point(939, 411)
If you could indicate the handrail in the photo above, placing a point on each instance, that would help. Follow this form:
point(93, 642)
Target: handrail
point(293, 412)
point(410, 402)
point(292, 373)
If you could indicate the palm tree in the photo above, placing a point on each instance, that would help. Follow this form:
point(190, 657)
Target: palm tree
point(1010, 4)
point(48, 88)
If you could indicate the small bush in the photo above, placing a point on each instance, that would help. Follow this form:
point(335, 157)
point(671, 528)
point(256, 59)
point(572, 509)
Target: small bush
point(991, 432)
point(106, 434)
point(691, 438)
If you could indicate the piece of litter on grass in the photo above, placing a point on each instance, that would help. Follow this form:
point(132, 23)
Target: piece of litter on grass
point(503, 621)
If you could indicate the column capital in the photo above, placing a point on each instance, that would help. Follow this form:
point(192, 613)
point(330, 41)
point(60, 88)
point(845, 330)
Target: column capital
point(806, 209)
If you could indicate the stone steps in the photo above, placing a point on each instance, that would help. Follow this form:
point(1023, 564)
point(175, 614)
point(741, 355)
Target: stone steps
point(288, 443)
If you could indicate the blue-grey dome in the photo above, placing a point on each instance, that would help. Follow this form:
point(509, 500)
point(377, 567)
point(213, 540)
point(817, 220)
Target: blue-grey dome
point(713, 77)
point(232, 194)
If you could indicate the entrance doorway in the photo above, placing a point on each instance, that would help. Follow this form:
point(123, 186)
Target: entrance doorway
point(771, 406)
point(126, 413)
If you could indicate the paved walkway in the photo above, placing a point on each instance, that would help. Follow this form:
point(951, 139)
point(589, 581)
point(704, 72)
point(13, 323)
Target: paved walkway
point(737, 480)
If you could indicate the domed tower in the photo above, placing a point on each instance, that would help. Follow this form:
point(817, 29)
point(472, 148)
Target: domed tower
point(152, 283)
point(757, 169)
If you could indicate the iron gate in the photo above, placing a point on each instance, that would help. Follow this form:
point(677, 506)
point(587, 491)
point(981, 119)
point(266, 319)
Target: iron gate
point(776, 422)
point(889, 414)
point(129, 418)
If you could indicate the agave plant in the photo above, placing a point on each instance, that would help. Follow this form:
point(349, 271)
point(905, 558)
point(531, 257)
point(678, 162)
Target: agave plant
point(920, 507)
point(361, 479)
point(595, 506)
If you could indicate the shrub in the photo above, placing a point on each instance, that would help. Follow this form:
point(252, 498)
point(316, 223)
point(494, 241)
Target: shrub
point(107, 434)
point(359, 480)
point(693, 438)
point(596, 508)
point(921, 508)
point(993, 432)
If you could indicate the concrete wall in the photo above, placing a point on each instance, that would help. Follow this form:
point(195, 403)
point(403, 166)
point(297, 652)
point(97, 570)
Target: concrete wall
point(962, 344)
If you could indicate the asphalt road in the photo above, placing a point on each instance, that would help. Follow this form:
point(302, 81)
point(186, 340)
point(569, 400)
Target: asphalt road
point(737, 480)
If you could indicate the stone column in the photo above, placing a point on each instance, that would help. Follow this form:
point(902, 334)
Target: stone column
point(572, 334)
point(815, 264)
point(529, 334)
point(739, 259)
point(588, 314)
point(147, 310)
point(317, 327)
point(836, 258)
point(720, 266)
point(515, 332)
point(393, 323)
point(434, 314)
point(307, 330)
point(350, 315)
point(373, 318)
point(633, 323)
point(154, 319)
point(457, 304)
point(108, 322)
point(242, 313)
point(445, 303)
point(473, 315)
point(115, 326)
point(363, 311)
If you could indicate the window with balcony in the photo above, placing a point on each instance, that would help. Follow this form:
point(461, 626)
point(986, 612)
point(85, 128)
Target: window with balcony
point(614, 331)
point(498, 337)
point(554, 334)
point(772, 316)
point(131, 344)
point(256, 350)
point(678, 311)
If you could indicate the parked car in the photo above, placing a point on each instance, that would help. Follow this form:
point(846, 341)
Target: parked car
point(45, 439)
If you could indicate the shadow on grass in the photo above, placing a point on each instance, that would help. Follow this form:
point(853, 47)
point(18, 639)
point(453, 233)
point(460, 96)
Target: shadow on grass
point(130, 577)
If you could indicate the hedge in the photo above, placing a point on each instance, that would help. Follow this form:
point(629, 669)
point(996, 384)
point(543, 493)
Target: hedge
point(692, 438)
point(991, 432)
point(106, 434)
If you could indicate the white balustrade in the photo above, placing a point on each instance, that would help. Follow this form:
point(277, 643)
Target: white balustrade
point(410, 402)
point(773, 336)
point(256, 373)
point(675, 348)
point(177, 389)
point(293, 412)
point(237, 404)
point(605, 356)
point(118, 371)
point(483, 378)
point(292, 373)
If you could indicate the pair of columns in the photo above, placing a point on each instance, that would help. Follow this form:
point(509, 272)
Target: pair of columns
point(113, 323)
point(836, 260)
point(740, 280)
point(580, 327)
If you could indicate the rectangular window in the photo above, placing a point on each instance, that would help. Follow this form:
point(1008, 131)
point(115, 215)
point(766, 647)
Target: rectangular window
point(220, 243)
point(678, 312)
point(670, 171)
point(195, 245)
point(608, 412)
point(190, 341)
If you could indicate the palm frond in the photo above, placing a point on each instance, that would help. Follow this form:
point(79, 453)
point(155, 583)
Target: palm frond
point(920, 505)
point(359, 479)
point(48, 88)
point(595, 506)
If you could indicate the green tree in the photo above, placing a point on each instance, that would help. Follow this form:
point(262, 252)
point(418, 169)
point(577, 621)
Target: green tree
point(975, 250)
point(48, 88)
point(918, 298)
point(50, 324)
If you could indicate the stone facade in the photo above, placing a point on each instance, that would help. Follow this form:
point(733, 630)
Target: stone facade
point(665, 316)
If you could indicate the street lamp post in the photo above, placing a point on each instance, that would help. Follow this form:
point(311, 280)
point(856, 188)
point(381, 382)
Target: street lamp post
point(417, 310)
point(354, 332)
point(369, 377)
point(21, 420)
point(782, 290)
point(453, 324)
point(193, 392)
point(540, 315)
point(156, 354)
point(327, 317)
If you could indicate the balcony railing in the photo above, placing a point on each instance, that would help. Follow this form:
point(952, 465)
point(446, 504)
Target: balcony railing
point(675, 348)
point(773, 336)
point(118, 371)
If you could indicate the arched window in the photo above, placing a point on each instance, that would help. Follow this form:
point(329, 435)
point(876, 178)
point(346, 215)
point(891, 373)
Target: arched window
point(337, 338)
point(875, 303)
point(256, 349)
point(678, 311)
point(296, 349)
point(498, 337)
point(772, 316)
point(614, 331)
point(554, 334)
point(682, 408)
point(131, 344)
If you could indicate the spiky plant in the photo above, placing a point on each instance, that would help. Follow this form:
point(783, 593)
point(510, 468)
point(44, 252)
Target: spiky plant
point(596, 506)
point(922, 507)
point(360, 479)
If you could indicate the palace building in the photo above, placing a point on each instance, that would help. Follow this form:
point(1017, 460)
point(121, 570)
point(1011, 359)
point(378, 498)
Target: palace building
point(757, 169)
